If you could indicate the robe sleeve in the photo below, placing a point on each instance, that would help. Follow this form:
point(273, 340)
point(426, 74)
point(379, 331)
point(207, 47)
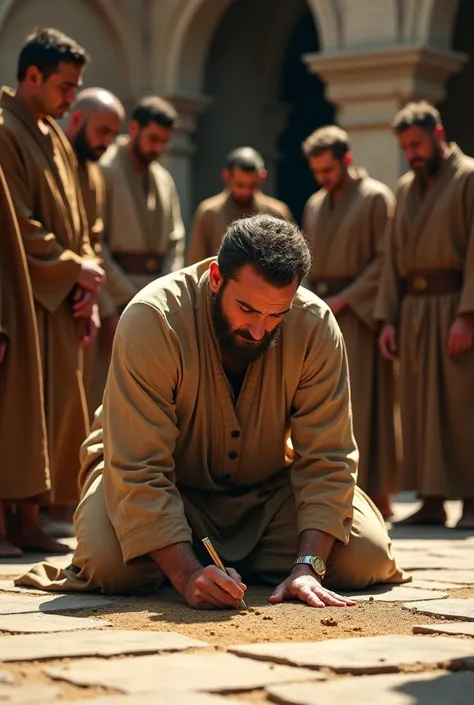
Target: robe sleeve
point(324, 471)
point(200, 243)
point(467, 297)
point(140, 433)
point(362, 293)
point(174, 258)
point(389, 295)
point(53, 269)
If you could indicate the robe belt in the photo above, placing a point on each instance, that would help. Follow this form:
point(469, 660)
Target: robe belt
point(434, 282)
point(139, 262)
point(330, 286)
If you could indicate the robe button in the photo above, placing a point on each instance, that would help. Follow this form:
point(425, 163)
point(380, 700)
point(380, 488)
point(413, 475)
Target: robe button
point(233, 455)
point(235, 434)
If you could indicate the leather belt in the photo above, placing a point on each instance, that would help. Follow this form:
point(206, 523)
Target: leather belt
point(330, 286)
point(139, 262)
point(434, 282)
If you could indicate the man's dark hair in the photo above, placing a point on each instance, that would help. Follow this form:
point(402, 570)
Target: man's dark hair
point(244, 158)
point(330, 138)
point(46, 48)
point(421, 114)
point(152, 108)
point(275, 248)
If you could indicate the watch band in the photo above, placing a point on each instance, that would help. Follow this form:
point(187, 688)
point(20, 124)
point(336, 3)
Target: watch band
point(316, 563)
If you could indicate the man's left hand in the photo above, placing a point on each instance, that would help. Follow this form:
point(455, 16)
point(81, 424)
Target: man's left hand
point(336, 304)
point(307, 588)
point(461, 335)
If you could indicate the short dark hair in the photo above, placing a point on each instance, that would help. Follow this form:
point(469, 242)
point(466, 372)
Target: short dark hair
point(421, 114)
point(46, 48)
point(152, 108)
point(244, 158)
point(275, 248)
point(330, 138)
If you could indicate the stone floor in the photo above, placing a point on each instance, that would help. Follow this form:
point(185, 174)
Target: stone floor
point(401, 645)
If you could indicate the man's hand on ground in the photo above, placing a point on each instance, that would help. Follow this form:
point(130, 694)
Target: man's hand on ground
point(307, 588)
point(210, 588)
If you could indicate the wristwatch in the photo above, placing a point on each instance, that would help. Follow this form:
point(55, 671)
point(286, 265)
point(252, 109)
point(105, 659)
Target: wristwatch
point(316, 563)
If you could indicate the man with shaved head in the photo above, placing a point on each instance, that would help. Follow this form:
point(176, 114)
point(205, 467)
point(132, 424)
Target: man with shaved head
point(94, 123)
point(243, 176)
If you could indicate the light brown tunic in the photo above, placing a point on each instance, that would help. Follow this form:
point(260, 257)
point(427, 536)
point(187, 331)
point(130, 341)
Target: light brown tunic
point(346, 242)
point(41, 173)
point(24, 468)
point(138, 221)
point(214, 215)
point(433, 231)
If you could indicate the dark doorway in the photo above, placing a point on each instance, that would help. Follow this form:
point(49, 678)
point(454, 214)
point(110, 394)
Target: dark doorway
point(304, 92)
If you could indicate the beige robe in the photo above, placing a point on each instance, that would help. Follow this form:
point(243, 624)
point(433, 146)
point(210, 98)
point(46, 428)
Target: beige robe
point(24, 466)
point(41, 173)
point(215, 214)
point(180, 458)
point(136, 222)
point(96, 355)
point(346, 242)
point(434, 231)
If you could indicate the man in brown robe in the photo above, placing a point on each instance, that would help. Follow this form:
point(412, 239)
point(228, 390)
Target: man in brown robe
point(212, 368)
point(24, 469)
point(426, 302)
point(243, 176)
point(93, 125)
point(345, 222)
point(41, 172)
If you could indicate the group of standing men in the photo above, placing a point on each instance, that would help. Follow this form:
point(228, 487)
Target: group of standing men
point(79, 240)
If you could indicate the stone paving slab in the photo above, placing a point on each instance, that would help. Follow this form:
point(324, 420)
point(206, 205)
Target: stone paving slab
point(424, 561)
point(432, 585)
point(28, 694)
point(29, 647)
point(432, 544)
point(161, 698)
point(23, 604)
point(210, 672)
point(396, 593)
point(18, 566)
point(9, 586)
point(457, 628)
point(365, 655)
point(461, 577)
point(452, 607)
point(435, 688)
point(42, 623)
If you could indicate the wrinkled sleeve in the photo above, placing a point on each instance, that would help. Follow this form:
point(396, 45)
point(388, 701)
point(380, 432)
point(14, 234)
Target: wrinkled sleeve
point(174, 259)
point(53, 269)
point(362, 293)
point(140, 433)
point(467, 297)
point(324, 471)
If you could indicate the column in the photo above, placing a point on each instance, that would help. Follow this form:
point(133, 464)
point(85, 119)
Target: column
point(369, 87)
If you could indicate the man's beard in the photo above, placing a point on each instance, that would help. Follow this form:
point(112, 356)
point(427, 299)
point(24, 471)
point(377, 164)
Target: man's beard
point(143, 158)
point(83, 149)
point(430, 166)
point(230, 340)
point(242, 202)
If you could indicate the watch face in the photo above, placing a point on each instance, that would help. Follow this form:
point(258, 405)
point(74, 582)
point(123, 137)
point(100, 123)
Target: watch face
point(319, 566)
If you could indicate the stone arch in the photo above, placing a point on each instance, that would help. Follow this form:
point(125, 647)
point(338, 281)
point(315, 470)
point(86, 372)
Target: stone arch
point(431, 22)
point(380, 22)
point(118, 25)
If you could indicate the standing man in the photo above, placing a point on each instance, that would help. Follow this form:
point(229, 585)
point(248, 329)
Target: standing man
point(426, 303)
point(41, 172)
point(94, 123)
point(346, 222)
point(243, 176)
point(24, 470)
point(144, 232)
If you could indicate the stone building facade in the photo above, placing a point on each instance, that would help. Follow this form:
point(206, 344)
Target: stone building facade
point(268, 72)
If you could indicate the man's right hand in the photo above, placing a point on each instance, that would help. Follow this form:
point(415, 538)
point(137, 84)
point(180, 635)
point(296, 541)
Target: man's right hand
point(91, 276)
point(210, 588)
point(3, 347)
point(388, 342)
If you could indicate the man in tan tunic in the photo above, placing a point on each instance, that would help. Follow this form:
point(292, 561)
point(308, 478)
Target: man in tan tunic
point(24, 469)
point(345, 222)
point(41, 172)
point(243, 177)
point(93, 125)
point(212, 368)
point(426, 302)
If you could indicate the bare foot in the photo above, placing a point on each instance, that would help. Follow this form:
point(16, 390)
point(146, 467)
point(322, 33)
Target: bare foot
point(38, 541)
point(8, 550)
point(431, 513)
point(467, 519)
